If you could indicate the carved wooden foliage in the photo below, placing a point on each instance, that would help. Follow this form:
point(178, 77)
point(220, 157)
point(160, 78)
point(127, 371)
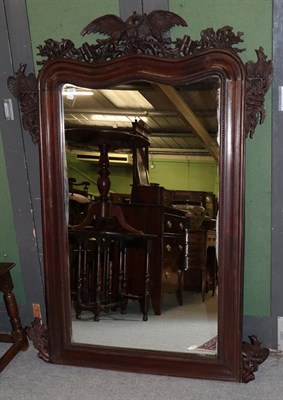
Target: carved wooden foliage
point(258, 81)
point(139, 34)
point(143, 34)
point(252, 356)
point(24, 89)
point(38, 334)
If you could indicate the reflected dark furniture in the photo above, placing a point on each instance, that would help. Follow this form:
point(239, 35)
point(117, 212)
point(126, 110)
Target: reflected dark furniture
point(206, 199)
point(201, 274)
point(17, 336)
point(102, 273)
point(168, 250)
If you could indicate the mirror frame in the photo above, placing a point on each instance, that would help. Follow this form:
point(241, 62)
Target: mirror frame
point(41, 105)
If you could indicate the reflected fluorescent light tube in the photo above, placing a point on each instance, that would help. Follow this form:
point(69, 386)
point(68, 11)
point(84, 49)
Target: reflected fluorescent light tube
point(76, 93)
point(72, 91)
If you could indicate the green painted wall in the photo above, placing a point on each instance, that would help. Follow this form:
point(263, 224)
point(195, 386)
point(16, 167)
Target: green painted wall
point(171, 174)
point(185, 175)
point(8, 241)
point(65, 19)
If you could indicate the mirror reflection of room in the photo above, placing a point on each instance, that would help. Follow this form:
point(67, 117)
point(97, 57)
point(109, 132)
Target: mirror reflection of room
point(151, 152)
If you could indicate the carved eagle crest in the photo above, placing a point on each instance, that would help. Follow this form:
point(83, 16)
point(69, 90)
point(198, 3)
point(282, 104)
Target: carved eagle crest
point(137, 26)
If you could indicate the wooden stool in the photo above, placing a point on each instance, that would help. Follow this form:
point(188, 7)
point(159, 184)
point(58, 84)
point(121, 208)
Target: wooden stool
point(105, 293)
point(17, 336)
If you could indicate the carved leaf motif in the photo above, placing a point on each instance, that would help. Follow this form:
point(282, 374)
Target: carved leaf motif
point(139, 34)
point(259, 77)
point(24, 89)
point(252, 356)
point(143, 34)
point(38, 333)
point(54, 50)
point(223, 38)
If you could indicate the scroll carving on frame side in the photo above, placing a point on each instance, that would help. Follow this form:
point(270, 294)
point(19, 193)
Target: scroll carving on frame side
point(258, 81)
point(24, 89)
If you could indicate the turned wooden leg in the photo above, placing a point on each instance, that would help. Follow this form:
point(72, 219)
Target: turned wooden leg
point(17, 337)
point(13, 312)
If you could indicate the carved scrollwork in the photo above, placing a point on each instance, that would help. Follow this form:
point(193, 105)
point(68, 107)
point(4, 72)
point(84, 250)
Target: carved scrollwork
point(38, 334)
point(143, 34)
point(139, 34)
point(223, 38)
point(24, 89)
point(252, 356)
point(54, 50)
point(258, 81)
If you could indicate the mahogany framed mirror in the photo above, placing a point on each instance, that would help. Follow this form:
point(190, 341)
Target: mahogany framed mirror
point(138, 54)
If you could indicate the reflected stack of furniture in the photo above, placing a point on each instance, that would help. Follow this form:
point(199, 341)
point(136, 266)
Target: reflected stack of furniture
point(79, 200)
point(202, 270)
point(102, 273)
point(168, 248)
point(103, 229)
point(17, 337)
point(206, 199)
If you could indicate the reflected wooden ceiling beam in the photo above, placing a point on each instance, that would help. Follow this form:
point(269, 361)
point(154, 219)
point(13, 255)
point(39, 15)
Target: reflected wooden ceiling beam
point(187, 113)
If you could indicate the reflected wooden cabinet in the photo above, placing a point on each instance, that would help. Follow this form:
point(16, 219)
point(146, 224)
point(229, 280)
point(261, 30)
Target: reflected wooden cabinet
point(167, 258)
point(202, 271)
point(206, 199)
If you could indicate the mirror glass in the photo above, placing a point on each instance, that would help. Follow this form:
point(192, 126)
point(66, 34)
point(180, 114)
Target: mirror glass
point(180, 170)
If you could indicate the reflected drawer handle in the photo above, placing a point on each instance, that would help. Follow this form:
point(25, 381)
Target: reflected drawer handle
point(180, 247)
point(168, 247)
point(181, 225)
point(169, 224)
point(167, 274)
point(179, 272)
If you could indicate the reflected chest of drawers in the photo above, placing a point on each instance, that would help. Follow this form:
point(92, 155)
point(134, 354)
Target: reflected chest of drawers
point(167, 259)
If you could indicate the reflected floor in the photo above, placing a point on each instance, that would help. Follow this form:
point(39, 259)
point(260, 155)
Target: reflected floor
point(179, 328)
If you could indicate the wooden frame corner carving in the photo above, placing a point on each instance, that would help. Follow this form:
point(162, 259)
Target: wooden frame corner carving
point(253, 354)
point(39, 335)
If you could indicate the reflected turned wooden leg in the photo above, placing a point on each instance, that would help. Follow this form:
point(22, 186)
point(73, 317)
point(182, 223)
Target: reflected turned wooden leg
point(146, 282)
